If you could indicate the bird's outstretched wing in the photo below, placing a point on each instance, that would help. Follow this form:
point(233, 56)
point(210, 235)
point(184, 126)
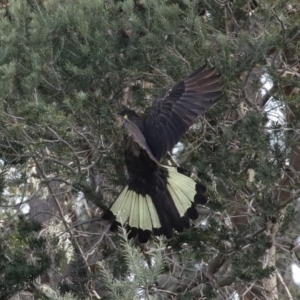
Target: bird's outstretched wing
point(175, 111)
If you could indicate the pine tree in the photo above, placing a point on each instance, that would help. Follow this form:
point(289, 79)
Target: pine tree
point(23, 255)
point(67, 67)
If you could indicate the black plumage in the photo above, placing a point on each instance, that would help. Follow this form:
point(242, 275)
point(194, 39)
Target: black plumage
point(158, 198)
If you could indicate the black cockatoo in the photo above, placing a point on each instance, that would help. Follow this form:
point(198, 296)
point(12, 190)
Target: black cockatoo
point(157, 198)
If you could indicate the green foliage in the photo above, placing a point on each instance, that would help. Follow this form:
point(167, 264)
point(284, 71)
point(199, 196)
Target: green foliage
point(245, 264)
point(67, 66)
point(143, 275)
point(23, 257)
point(78, 279)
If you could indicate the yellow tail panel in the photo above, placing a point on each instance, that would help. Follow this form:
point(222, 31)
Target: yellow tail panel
point(138, 210)
point(182, 190)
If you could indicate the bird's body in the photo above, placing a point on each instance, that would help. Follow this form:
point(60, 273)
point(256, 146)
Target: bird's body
point(158, 199)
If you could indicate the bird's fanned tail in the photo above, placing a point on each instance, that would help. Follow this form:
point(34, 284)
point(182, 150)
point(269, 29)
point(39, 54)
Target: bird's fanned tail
point(159, 199)
point(169, 204)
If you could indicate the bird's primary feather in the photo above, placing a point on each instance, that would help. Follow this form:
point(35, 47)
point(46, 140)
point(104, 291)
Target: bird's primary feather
point(157, 198)
point(175, 110)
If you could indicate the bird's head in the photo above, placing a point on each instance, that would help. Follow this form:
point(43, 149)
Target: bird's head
point(129, 114)
point(124, 115)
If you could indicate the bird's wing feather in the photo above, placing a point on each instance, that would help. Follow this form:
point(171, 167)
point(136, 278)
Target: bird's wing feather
point(175, 111)
point(136, 135)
